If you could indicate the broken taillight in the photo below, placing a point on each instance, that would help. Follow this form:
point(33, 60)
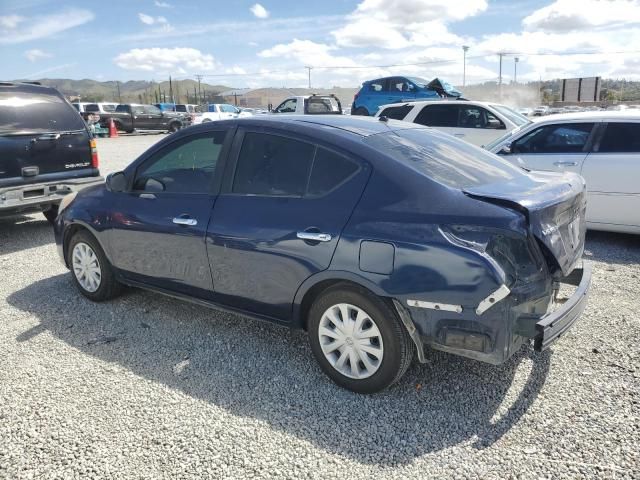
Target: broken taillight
point(95, 161)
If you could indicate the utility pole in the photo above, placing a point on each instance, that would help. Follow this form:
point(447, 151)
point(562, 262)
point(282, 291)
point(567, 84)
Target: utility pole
point(500, 77)
point(515, 70)
point(465, 48)
point(309, 71)
point(119, 97)
point(170, 90)
point(199, 77)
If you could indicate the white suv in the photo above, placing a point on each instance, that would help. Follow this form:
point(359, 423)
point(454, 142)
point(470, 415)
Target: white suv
point(476, 122)
point(604, 147)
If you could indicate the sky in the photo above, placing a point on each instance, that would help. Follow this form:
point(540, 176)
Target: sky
point(247, 44)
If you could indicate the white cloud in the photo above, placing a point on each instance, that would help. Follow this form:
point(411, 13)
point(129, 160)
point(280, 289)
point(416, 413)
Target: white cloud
point(308, 53)
point(41, 26)
point(259, 11)
point(161, 4)
point(166, 60)
point(10, 21)
point(149, 20)
point(398, 24)
point(36, 54)
point(571, 15)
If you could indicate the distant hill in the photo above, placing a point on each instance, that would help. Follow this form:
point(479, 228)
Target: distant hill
point(184, 91)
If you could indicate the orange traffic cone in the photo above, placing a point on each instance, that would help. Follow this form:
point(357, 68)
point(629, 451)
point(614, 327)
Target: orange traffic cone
point(113, 131)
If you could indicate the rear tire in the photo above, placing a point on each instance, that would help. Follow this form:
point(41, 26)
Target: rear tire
point(51, 214)
point(92, 273)
point(358, 339)
point(174, 127)
point(363, 112)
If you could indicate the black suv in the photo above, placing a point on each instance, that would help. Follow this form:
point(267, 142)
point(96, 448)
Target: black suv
point(46, 150)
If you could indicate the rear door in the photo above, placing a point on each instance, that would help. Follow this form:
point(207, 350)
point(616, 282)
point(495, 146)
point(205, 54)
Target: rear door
point(278, 218)
point(612, 173)
point(158, 228)
point(375, 94)
point(441, 116)
point(42, 138)
point(556, 147)
point(153, 118)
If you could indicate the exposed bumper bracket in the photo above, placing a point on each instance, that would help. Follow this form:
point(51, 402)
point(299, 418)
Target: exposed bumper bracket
point(411, 328)
point(435, 306)
point(492, 299)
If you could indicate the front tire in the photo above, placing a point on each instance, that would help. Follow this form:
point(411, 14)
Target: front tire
point(92, 273)
point(51, 214)
point(358, 339)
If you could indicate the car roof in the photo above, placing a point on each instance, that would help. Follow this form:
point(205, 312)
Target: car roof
point(28, 87)
point(441, 102)
point(591, 116)
point(354, 125)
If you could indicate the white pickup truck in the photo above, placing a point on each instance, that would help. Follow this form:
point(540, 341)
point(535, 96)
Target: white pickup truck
point(219, 111)
point(310, 105)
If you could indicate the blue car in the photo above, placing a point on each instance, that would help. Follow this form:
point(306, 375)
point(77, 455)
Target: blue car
point(377, 237)
point(382, 91)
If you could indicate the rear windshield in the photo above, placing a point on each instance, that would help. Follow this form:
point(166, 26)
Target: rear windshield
point(320, 105)
point(442, 158)
point(32, 112)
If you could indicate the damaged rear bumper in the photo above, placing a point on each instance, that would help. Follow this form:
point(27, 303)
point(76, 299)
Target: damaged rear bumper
point(553, 325)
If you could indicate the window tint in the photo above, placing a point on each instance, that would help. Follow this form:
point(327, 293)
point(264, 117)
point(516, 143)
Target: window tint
point(186, 167)
point(562, 138)
point(329, 171)
point(92, 107)
point(399, 84)
point(396, 113)
point(31, 112)
point(321, 105)
point(108, 107)
point(438, 116)
point(151, 110)
point(444, 159)
point(228, 108)
point(272, 165)
point(181, 108)
point(288, 106)
point(621, 137)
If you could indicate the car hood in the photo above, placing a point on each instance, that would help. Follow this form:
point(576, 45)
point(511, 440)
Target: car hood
point(555, 206)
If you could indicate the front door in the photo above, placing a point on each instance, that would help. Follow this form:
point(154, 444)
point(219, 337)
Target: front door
point(555, 147)
point(278, 219)
point(612, 173)
point(158, 228)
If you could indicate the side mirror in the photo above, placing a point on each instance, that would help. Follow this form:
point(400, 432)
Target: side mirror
point(117, 182)
point(506, 149)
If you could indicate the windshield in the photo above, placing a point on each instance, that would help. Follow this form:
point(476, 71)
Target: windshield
point(36, 112)
point(444, 159)
point(490, 146)
point(515, 117)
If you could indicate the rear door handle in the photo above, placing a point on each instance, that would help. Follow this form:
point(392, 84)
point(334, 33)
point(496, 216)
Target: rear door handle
point(185, 221)
point(565, 164)
point(314, 237)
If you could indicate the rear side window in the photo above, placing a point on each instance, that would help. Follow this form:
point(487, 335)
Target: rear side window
point(560, 138)
point(33, 112)
point(620, 138)
point(444, 159)
point(92, 107)
point(396, 113)
point(273, 165)
point(329, 171)
point(376, 86)
point(438, 116)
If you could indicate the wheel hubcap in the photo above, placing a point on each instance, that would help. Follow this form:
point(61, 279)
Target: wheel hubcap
point(351, 341)
point(86, 267)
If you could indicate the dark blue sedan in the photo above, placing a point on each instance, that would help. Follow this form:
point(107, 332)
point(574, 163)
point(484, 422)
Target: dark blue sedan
point(377, 237)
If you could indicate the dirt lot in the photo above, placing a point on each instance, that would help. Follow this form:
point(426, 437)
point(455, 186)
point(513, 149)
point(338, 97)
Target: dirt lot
point(150, 387)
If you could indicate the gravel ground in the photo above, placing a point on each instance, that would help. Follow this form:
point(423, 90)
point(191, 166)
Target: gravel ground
point(150, 387)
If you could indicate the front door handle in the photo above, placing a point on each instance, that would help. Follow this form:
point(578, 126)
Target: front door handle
point(565, 164)
point(185, 221)
point(314, 237)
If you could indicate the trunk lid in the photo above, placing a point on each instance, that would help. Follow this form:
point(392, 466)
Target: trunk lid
point(555, 206)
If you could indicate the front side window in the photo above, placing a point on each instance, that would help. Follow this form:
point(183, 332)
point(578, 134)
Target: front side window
point(478, 117)
point(288, 106)
point(151, 110)
point(620, 138)
point(187, 166)
point(273, 165)
point(438, 116)
point(228, 108)
point(398, 84)
point(396, 113)
point(560, 138)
